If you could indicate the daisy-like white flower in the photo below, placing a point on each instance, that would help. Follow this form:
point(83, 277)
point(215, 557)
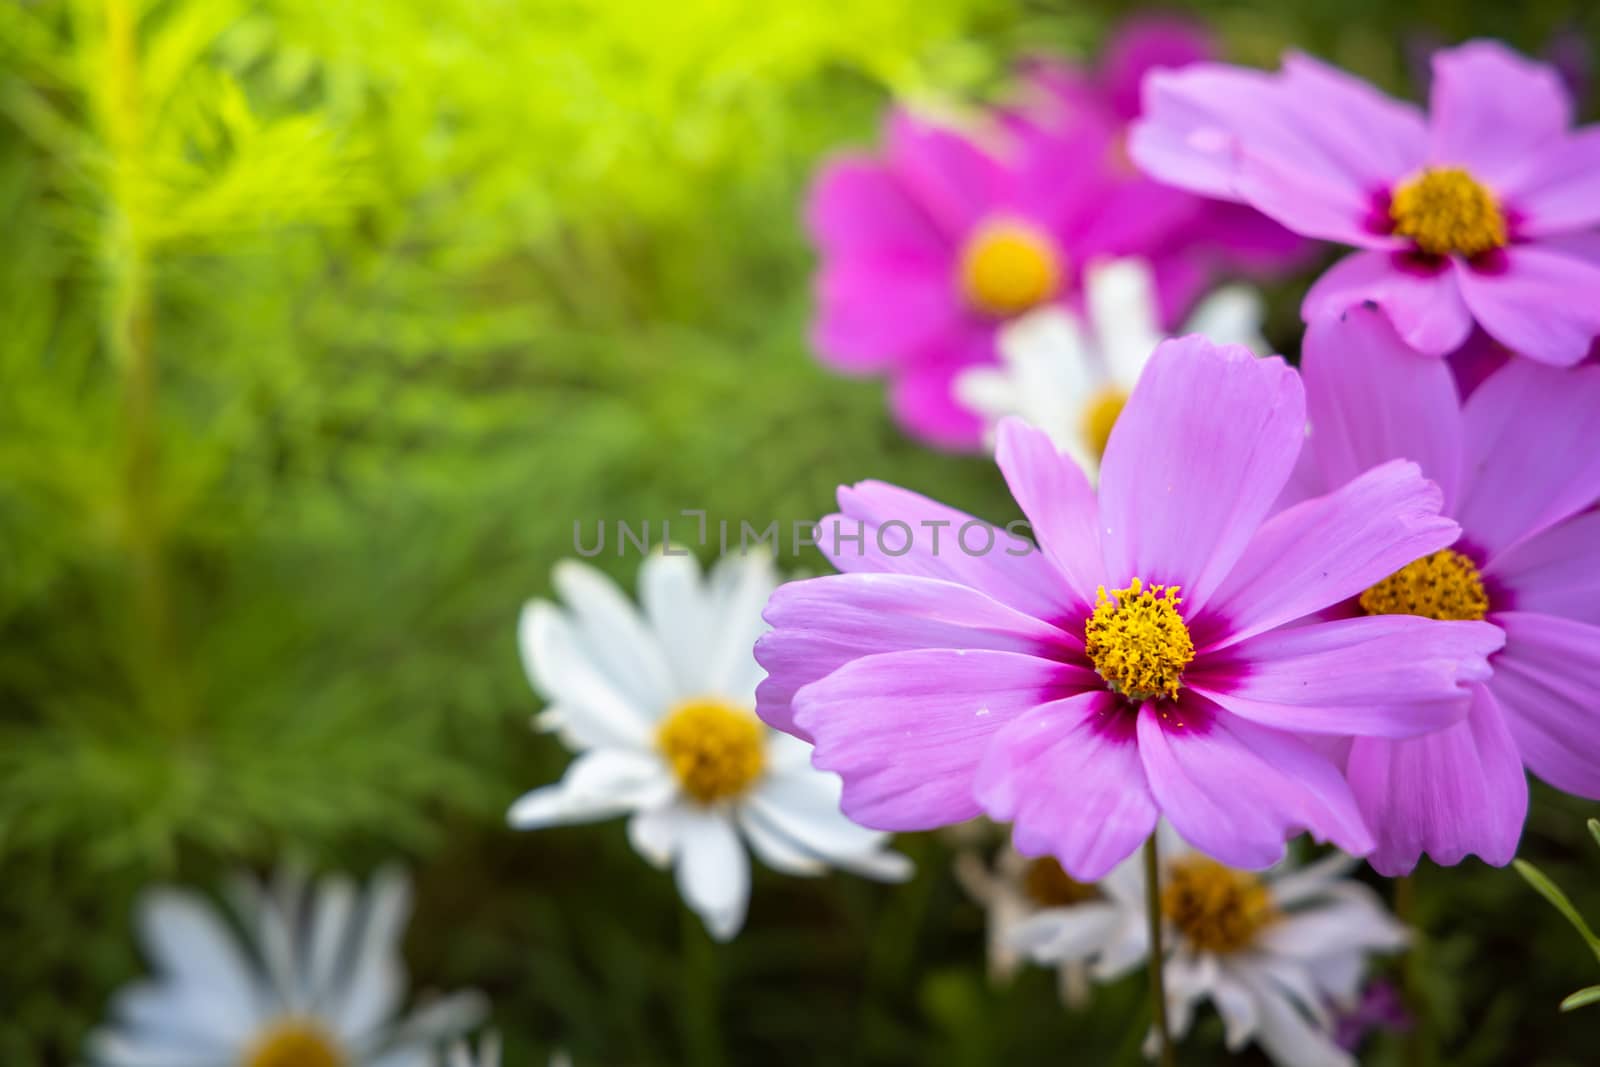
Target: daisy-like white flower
point(661, 707)
point(1518, 469)
point(1481, 211)
point(1018, 892)
point(1071, 375)
point(317, 982)
point(1145, 659)
point(1278, 953)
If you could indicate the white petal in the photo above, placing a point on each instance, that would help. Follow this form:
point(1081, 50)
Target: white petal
point(775, 848)
point(741, 584)
point(1062, 935)
point(593, 706)
point(274, 934)
point(679, 613)
point(714, 872)
point(618, 640)
point(1352, 918)
point(331, 937)
point(1232, 316)
point(1121, 299)
point(1299, 884)
point(190, 945)
point(1236, 1003)
point(987, 392)
point(657, 833)
point(598, 785)
point(376, 980)
point(1287, 1036)
point(110, 1049)
point(804, 806)
point(1054, 372)
point(1125, 952)
point(441, 1019)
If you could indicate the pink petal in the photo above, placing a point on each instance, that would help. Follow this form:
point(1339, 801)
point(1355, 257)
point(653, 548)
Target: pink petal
point(1560, 192)
point(1327, 549)
point(1372, 398)
point(1067, 774)
point(1206, 442)
point(1556, 572)
point(856, 206)
point(1530, 433)
point(1538, 302)
point(821, 624)
point(1546, 681)
point(906, 730)
point(956, 182)
point(1062, 509)
point(1237, 791)
point(1309, 147)
point(922, 398)
point(1424, 302)
point(1145, 43)
point(945, 543)
point(1386, 676)
point(1455, 793)
point(876, 314)
point(1491, 107)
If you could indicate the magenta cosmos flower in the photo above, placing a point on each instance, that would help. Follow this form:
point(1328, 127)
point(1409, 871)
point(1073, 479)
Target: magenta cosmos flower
point(930, 248)
point(1518, 469)
point(1140, 662)
point(1208, 237)
point(1480, 211)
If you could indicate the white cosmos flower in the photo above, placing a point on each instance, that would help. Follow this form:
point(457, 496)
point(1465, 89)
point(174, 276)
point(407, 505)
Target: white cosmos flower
point(316, 981)
point(1274, 952)
point(1017, 890)
point(1070, 375)
point(660, 704)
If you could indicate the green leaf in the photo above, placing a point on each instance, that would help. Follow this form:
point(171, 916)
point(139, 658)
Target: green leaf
point(1551, 892)
point(1582, 998)
point(1594, 830)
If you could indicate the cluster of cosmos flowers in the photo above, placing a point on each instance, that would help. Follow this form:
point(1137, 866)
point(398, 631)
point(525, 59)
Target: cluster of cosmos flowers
point(1356, 599)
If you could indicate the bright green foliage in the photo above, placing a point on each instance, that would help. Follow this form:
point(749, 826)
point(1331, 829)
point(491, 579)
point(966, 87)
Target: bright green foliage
point(1559, 900)
point(321, 321)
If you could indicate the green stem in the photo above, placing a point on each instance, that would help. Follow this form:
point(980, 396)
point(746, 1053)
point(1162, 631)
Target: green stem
point(701, 1030)
point(129, 332)
point(1418, 1050)
point(1158, 986)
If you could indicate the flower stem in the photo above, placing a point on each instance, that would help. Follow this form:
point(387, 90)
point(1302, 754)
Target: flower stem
point(1418, 1050)
point(1158, 988)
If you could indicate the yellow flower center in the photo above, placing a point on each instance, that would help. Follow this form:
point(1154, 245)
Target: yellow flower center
point(1445, 585)
point(1100, 417)
point(1008, 267)
point(1447, 212)
point(1138, 641)
point(294, 1043)
point(1048, 886)
point(716, 750)
point(1215, 908)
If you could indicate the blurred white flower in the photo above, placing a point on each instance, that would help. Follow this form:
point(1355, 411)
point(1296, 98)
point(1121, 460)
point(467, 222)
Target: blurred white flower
point(1275, 952)
point(1070, 375)
point(661, 707)
point(1017, 890)
point(317, 981)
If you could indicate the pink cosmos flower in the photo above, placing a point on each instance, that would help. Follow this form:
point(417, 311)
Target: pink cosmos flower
point(1518, 469)
point(1140, 661)
point(1479, 212)
point(928, 249)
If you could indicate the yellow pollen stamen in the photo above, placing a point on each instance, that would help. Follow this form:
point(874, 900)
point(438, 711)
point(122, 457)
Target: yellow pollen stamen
point(1448, 212)
point(1216, 908)
point(294, 1043)
point(1444, 585)
point(1100, 417)
point(716, 750)
point(1048, 886)
point(1008, 267)
point(1138, 641)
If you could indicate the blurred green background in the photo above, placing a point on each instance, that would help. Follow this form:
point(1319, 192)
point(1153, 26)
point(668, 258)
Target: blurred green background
point(320, 323)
